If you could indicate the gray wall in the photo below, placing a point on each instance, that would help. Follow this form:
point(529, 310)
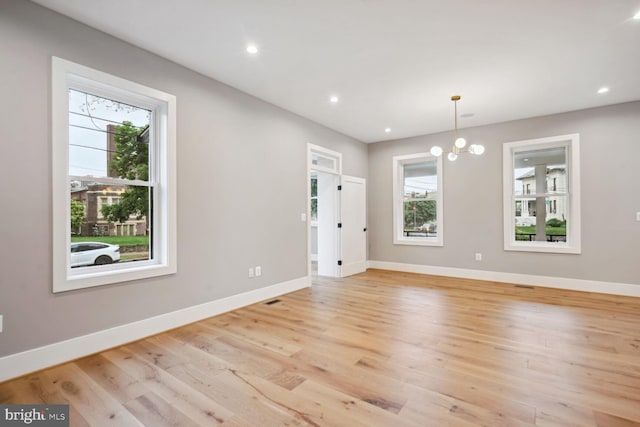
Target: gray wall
point(610, 179)
point(241, 184)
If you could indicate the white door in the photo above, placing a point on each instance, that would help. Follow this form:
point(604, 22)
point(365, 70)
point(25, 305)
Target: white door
point(353, 230)
point(327, 222)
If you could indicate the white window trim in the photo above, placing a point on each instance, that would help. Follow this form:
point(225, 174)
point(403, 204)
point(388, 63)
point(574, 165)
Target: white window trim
point(64, 74)
point(573, 243)
point(398, 202)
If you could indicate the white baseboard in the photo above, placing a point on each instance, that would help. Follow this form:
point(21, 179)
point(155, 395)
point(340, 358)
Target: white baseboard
point(15, 365)
point(613, 288)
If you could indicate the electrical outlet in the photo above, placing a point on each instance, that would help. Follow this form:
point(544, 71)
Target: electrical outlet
point(251, 272)
point(303, 217)
point(258, 271)
point(0, 322)
point(478, 256)
point(637, 216)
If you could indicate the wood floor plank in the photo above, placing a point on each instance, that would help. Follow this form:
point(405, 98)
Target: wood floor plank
point(25, 389)
point(375, 349)
point(111, 378)
point(231, 390)
point(606, 420)
point(441, 409)
point(181, 395)
point(372, 388)
point(252, 332)
point(456, 387)
point(94, 403)
point(36, 389)
point(152, 410)
point(351, 408)
point(193, 353)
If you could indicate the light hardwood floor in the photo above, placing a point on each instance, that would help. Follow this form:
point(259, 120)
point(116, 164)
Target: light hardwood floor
point(376, 349)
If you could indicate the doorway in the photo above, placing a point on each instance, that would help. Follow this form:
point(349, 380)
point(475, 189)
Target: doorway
point(337, 213)
point(324, 220)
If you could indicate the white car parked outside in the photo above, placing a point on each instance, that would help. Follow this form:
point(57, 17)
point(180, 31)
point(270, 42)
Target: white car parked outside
point(93, 253)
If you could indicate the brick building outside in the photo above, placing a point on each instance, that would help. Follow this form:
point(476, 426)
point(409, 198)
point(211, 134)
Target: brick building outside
point(94, 196)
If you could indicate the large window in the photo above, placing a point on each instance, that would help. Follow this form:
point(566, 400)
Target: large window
point(541, 181)
point(417, 200)
point(113, 179)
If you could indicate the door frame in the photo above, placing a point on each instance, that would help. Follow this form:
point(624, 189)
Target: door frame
point(334, 167)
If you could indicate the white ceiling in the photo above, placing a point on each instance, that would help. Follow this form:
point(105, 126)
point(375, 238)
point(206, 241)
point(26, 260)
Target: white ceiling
point(393, 63)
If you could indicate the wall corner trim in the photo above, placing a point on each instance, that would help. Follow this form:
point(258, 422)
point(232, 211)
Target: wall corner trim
point(18, 364)
point(613, 288)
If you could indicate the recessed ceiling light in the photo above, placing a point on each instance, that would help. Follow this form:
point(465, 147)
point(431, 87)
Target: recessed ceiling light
point(636, 16)
point(525, 160)
point(334, 99)
point(603, 90)
point(252, 49)
point(387, 130)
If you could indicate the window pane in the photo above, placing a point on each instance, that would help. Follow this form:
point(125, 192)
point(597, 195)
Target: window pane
point(518, 208)
point(420, 218)
point(107, 138)
point(528, 165)
point(552, 214)
point(325, 162)
point(314, 198)
point(104, 214)
point(420, 187)
point(420, 180)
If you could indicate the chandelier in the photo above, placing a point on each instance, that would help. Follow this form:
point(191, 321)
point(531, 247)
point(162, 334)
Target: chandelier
point(459, 143)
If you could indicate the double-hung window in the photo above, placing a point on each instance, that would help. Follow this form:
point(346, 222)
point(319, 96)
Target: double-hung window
point(541, 184)
point(113, 179)
point(417, 200)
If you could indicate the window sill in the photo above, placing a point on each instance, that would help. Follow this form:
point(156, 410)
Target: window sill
point(542, 247)
point(418, 242)
point(73, 279)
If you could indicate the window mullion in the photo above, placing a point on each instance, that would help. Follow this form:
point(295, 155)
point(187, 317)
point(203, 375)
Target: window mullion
point(112, 181)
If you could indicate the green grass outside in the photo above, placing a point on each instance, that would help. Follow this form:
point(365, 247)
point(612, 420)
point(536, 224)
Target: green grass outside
point(550, 230)
point(134, 256)
point(113, 240)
